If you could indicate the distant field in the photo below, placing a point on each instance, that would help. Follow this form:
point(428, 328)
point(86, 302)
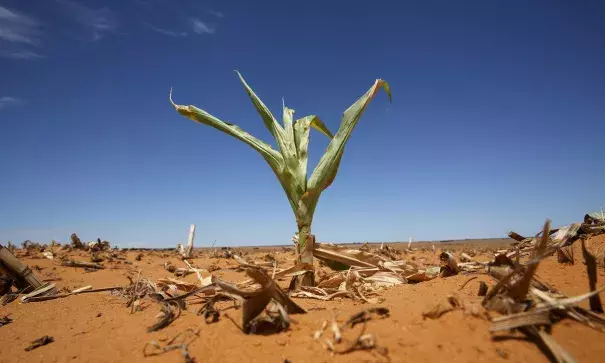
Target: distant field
point(492, 242)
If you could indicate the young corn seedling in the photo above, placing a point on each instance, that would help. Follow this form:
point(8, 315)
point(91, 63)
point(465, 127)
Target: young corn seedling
point(289, 162)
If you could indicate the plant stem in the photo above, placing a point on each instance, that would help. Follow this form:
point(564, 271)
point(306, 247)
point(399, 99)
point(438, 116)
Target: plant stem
point(306, 242)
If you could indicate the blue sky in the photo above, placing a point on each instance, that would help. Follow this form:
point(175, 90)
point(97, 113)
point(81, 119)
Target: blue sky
point(497, 120)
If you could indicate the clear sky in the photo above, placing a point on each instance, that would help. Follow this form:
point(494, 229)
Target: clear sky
point(497, 120)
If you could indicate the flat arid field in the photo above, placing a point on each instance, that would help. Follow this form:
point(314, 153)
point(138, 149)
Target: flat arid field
point(99, 327)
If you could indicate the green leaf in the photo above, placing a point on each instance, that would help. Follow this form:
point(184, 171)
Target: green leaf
point(272, 156)
point(272, 125)
point(326, 169)
point(288, 128)
point(288, 176)
point(302, 130)
point(318, 125)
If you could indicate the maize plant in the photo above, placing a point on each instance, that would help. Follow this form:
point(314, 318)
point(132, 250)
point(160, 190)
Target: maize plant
point(289, 162)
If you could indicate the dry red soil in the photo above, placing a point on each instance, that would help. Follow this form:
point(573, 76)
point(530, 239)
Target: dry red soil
point(97, 327)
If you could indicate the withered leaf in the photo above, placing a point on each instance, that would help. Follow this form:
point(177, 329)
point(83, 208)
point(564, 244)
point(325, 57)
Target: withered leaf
point(366, 315)
point(170, 312)
point(40, 342)
point(5, 320)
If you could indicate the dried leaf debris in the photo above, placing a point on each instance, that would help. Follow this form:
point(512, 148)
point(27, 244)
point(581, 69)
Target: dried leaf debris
point(208, 310)
point(525, 303)
point(5, 320)
point(169, 313)
point(83, 264)
point(181, 342)
point(39, 343)
point(518, 301)
point(346, 339)
point(362, 273)
point(276, 316)
point(528, 305)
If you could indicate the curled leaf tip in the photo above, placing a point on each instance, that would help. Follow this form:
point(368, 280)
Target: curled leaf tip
point(176, 107)
point(170, 98)
point(387, 88)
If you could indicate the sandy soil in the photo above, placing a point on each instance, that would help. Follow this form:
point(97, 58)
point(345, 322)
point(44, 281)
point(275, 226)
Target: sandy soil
point(97, 327)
